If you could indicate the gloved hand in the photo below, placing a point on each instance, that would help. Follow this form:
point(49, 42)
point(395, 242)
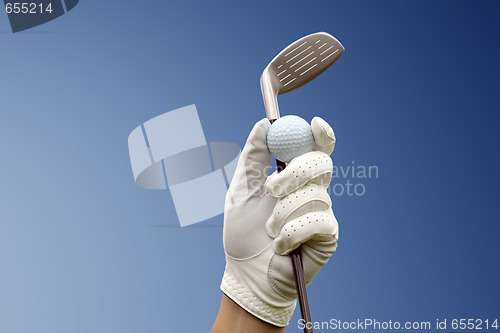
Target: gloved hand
point(268, 217)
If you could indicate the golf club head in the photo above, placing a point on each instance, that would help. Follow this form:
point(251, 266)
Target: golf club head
point(299, 63)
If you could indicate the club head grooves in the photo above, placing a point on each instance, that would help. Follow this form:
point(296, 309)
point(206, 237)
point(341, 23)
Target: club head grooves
point(298, 64)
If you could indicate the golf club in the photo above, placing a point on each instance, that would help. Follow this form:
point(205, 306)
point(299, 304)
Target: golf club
point(299, 63)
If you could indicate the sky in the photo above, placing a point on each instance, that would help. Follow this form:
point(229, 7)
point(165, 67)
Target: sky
point(83, 249)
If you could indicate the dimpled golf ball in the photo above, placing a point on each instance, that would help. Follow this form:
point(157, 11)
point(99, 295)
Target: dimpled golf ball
point(289, 137)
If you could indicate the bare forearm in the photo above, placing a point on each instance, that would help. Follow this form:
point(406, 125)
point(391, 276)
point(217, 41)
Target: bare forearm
point(233, 319)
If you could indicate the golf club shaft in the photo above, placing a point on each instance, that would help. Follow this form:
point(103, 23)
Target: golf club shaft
point(298, 272)
point(300, 283)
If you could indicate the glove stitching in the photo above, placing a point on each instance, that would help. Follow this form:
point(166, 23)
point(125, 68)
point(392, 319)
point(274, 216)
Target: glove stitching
point(281, 202)
point(301, 184)
point(228, 282)
point(306, 202)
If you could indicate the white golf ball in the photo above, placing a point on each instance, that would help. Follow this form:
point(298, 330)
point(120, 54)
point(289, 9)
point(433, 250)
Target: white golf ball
point(289, 137)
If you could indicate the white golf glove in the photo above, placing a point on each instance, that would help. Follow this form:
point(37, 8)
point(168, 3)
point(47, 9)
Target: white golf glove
point(268, 217)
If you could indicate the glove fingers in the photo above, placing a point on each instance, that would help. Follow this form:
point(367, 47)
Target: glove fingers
point(315, 166)
point(254, 163)
point(315, 254)
point(309, 198)
point(316, 226)
point(324, 137)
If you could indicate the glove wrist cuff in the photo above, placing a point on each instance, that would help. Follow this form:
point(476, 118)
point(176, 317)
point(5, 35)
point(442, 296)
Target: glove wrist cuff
point(246, 299)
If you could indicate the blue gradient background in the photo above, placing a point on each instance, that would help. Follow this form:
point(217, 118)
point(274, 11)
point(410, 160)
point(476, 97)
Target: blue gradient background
point(83, 249)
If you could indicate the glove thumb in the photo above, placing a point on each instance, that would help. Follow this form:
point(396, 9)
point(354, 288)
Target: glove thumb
point(324, 137)
point(254, 162)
